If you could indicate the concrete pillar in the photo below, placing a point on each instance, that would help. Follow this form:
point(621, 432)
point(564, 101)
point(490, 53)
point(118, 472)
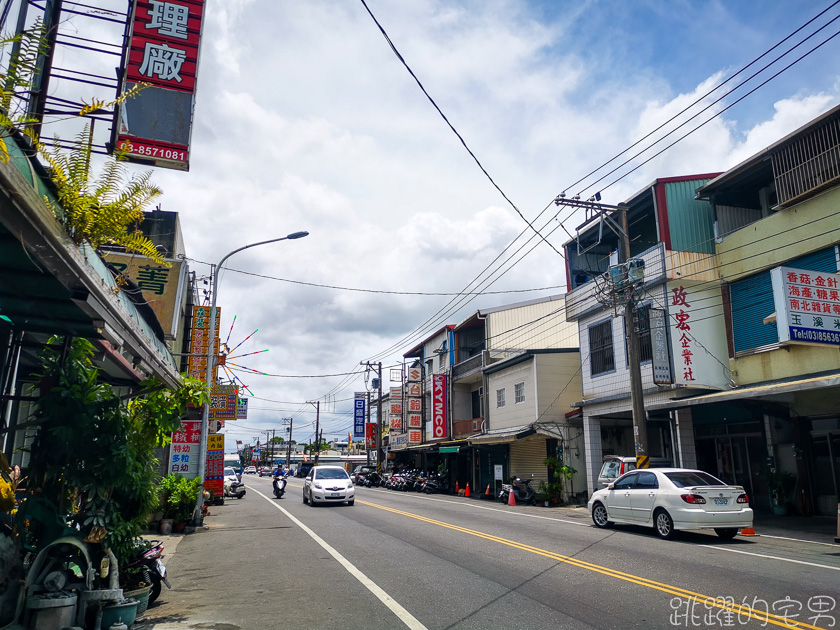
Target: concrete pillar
point(593, 452)
point(684, 426)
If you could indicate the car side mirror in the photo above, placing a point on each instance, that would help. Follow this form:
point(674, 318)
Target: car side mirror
point(610, 486)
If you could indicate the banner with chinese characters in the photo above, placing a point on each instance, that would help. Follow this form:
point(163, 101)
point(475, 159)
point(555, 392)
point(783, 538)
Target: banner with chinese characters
point(397, 441)
point(659, 347)
point(162, 286)
point(440, 405)
point(215, 464)
point(155, 126)
point(242, 409)
point(396, 393)
point(698, 337)
point(370, 434)
point(359, 403)
point(200, 339)
point(807, 306)
point(184, 450)
point(414, 436)
point(224, 402)
point(414, 421)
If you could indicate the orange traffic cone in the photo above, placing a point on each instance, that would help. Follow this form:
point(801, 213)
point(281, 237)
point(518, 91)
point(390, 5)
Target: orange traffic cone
point(467, 493)
point(487, 492)
point(511, 499)
point(457, 489)
point(748, 531)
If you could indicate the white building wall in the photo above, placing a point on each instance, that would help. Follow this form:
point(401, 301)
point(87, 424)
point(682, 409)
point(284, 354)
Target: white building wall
point(539, 325)
point(512, 414)
point(559, 385)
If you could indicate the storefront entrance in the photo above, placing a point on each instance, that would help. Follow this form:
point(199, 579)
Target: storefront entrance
point(735, 454)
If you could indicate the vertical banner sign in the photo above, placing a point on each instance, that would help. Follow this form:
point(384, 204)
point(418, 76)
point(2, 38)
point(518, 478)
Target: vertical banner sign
point(414, 374)
point(414, 436)
point(370, 434)
point(215, 464)
point(242, 409)
point(660, 348)
point(359, 402)
point(183, 454)
point(439, 407)
point(155, 127)
point(200, 338)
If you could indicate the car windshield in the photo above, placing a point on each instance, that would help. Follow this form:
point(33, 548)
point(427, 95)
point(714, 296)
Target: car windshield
point(689, 479)
point(229, 472)
point(331, 474)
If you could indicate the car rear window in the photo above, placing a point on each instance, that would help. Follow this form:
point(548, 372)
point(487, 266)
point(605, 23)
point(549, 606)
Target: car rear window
point(610, 469)
point(331, 474)
point(689, 479)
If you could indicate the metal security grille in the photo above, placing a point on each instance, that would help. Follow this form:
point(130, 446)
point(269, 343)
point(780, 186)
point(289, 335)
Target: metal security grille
point(601, 355)
point(809, 164)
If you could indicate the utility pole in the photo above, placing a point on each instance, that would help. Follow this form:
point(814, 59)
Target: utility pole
point(380, 453)
point(367, 422)
point(625, 294)
point(637, 399)
point(289, 449)
point(317, 405)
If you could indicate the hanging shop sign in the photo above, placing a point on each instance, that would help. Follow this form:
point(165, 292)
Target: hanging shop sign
point(807, 306)
point(155, 126)
point(370, 434)
point(439, 406)
point(359, 402)
point(414, 421)
point(660, 350)
point(397, 441)
point(242, 409)
point(215, 464)
point(184, 451)
point(414, 374)
point(414, 436)
point(396, 393)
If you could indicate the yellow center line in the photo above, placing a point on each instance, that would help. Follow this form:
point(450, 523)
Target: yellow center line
point(706, 600)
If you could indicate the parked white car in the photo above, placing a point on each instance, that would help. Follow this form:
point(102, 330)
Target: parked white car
point(328, 484)
point(672, 499)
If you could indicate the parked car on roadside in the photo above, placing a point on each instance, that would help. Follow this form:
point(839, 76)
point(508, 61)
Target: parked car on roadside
point(304, 468)
point(672, 499)
point(616, 465)
point(328, 484)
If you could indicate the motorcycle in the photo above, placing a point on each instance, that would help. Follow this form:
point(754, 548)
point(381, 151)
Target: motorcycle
point(234, 489)
point(149, 563)
point(279, 487)
point(522, 492)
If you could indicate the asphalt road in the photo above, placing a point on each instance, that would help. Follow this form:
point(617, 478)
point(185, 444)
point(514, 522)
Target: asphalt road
point(404, 560)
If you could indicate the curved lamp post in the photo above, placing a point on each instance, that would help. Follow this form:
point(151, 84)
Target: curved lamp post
point(202, 462)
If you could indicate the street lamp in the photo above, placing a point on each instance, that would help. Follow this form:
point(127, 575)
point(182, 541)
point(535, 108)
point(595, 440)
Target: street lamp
point(205, 416)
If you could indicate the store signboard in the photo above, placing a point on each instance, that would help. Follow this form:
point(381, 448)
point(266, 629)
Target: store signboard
point(155, 126)
point(359, 402)
point(184, 450)
point(807, 306)
point(439, 407)
point(660, 349)
point(398, 441)
point(215, 464)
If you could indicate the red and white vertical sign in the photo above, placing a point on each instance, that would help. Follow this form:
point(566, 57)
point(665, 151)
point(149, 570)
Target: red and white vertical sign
point(440, 405)
point(163, 51)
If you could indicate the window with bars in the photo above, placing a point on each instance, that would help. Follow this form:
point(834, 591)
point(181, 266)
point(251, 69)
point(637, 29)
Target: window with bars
point(601, 354)
point(500, 397)
point(519, 393)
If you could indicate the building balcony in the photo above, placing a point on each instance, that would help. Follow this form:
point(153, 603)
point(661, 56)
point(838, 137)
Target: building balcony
point(461, 428)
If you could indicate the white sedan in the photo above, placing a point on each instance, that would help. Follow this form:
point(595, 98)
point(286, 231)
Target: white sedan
point(328, 484)
point(671, 499)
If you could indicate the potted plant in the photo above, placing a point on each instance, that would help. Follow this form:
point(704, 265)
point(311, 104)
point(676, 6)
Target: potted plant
point(558, 474)
point(780, 483)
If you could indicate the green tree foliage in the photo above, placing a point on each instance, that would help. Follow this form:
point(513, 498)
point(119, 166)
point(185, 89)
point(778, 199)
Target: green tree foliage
point(93, 455)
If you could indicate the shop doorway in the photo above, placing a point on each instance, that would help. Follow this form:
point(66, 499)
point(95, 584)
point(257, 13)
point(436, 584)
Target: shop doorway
point(734, 454)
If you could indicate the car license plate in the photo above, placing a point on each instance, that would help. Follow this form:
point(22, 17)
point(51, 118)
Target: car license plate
point(721, 501)
point(335, 495)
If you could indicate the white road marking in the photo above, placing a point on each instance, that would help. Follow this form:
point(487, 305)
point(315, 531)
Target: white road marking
point(761, 555)
point(812, 542)
point(406, 617)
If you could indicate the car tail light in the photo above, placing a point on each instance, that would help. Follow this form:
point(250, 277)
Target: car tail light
point(742, 498)
point(693, 498)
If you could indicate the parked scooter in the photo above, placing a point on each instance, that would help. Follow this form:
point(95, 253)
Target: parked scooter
point(278, 484)
point(149, 562)
point(234, 489)
point(522, 492)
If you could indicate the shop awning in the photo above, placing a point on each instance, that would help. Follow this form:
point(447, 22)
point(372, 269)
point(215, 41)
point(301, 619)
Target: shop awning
point(511, 434)
point(767, 391)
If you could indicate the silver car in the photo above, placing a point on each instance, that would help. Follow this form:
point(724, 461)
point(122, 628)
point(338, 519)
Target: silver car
point(328, 484)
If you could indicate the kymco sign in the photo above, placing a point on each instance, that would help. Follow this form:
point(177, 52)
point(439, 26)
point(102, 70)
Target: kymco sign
point(439, 419)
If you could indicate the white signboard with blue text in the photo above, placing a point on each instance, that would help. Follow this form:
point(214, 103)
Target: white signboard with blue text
point(359, 401)
point(807, 306)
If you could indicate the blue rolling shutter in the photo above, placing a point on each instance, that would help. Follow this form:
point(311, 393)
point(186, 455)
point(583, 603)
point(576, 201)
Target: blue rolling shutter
point(752, 301)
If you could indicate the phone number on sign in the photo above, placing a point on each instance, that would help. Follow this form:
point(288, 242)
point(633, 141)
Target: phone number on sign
point(152, 151)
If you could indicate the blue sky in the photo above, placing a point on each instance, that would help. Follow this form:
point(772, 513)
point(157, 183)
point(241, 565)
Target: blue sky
point(305, 120)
